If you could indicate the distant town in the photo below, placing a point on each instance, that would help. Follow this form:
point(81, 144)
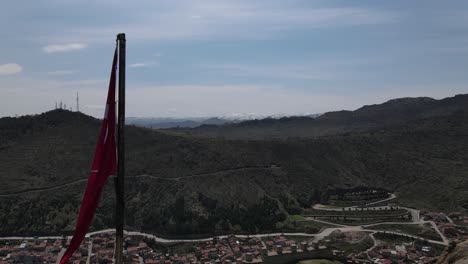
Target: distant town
point(379, 232)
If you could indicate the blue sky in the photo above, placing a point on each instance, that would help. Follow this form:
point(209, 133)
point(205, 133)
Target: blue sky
point(214, 57)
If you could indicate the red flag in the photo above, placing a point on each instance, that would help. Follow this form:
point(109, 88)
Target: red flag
point(104, 165)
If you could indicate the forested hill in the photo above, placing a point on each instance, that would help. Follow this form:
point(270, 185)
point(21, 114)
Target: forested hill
point(365, 119)
point(180, 184)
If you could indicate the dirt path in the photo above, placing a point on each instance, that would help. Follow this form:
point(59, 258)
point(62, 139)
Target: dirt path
point(216, 173)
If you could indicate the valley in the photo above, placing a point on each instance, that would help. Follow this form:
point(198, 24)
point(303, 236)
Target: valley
point(382, 180)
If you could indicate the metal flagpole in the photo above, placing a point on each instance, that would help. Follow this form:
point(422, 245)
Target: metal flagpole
point(119, 181)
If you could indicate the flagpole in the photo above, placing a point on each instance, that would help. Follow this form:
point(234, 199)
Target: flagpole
point(119, 183)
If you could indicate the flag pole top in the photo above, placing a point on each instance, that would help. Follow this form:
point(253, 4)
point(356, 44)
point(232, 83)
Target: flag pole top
point(121, 36)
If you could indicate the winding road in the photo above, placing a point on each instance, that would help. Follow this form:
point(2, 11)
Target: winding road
point(324, 233)
point(414, 216)
point(318, 236)
point(315, 237)
point(62, 185)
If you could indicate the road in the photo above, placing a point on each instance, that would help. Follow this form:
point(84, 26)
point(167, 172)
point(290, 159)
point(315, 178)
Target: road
point(60, 254)
point(392, 196)
point(324, 233)
point(90, 251)
point(414, 216)
point(316, 237)
point(62, 185)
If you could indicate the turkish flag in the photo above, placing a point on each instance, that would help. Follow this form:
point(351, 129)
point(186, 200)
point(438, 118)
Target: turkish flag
point(104, 165)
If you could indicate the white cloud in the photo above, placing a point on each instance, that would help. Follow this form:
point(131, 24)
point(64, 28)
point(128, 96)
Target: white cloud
point(10, 68)
point(142, 64)
point(64, 47)
point(212, 19)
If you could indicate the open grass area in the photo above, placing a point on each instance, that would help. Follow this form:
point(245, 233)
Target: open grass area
point(310, 227)
point(296, 217)
point(424, 231)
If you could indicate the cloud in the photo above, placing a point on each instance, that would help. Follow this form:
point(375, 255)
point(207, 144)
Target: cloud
point(64, 47)
point(10, 68)
point(212, 19)
point(142, 64)
point(27, 96)
point(62, 72)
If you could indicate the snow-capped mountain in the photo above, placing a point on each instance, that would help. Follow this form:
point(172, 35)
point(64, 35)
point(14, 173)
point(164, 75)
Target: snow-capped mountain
point(169, 122)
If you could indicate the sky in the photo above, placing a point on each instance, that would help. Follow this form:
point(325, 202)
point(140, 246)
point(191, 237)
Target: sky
point(195, 58)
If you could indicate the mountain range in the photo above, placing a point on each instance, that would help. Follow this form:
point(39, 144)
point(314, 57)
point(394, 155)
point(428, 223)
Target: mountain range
point(191, 122)
point(369, 118)
point(237, 177)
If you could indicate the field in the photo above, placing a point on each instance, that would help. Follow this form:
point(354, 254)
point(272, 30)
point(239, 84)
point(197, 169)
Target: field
point(310, 227)
point(296, 218)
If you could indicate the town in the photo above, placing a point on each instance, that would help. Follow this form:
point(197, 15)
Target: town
point(420, 239)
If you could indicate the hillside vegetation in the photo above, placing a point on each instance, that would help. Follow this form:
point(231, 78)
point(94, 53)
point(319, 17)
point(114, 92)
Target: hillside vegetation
point(179, 184)
point(367, 118)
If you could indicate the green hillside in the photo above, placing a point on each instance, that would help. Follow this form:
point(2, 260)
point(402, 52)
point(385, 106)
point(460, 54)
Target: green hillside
point(179, 184)
point(393, 113)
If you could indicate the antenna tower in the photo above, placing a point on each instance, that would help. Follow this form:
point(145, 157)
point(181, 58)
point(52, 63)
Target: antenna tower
point(77, 102)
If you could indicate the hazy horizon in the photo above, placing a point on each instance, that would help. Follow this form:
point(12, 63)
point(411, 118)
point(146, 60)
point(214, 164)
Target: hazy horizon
point(233, 115)
point(214, 58)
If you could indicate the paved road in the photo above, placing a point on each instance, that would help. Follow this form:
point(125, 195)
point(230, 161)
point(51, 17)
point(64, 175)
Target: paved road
point(414, 212)
point(414, 215)
point(392, 196)
point(316, 237)
point(375, 243)
point(355, 207)
point(437, 230)
point(216, 173)
point(90, 251)
point(325, 232)
point(60, 254)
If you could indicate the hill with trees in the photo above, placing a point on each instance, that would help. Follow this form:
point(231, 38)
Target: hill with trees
point(180, 184)
point(367, 118)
